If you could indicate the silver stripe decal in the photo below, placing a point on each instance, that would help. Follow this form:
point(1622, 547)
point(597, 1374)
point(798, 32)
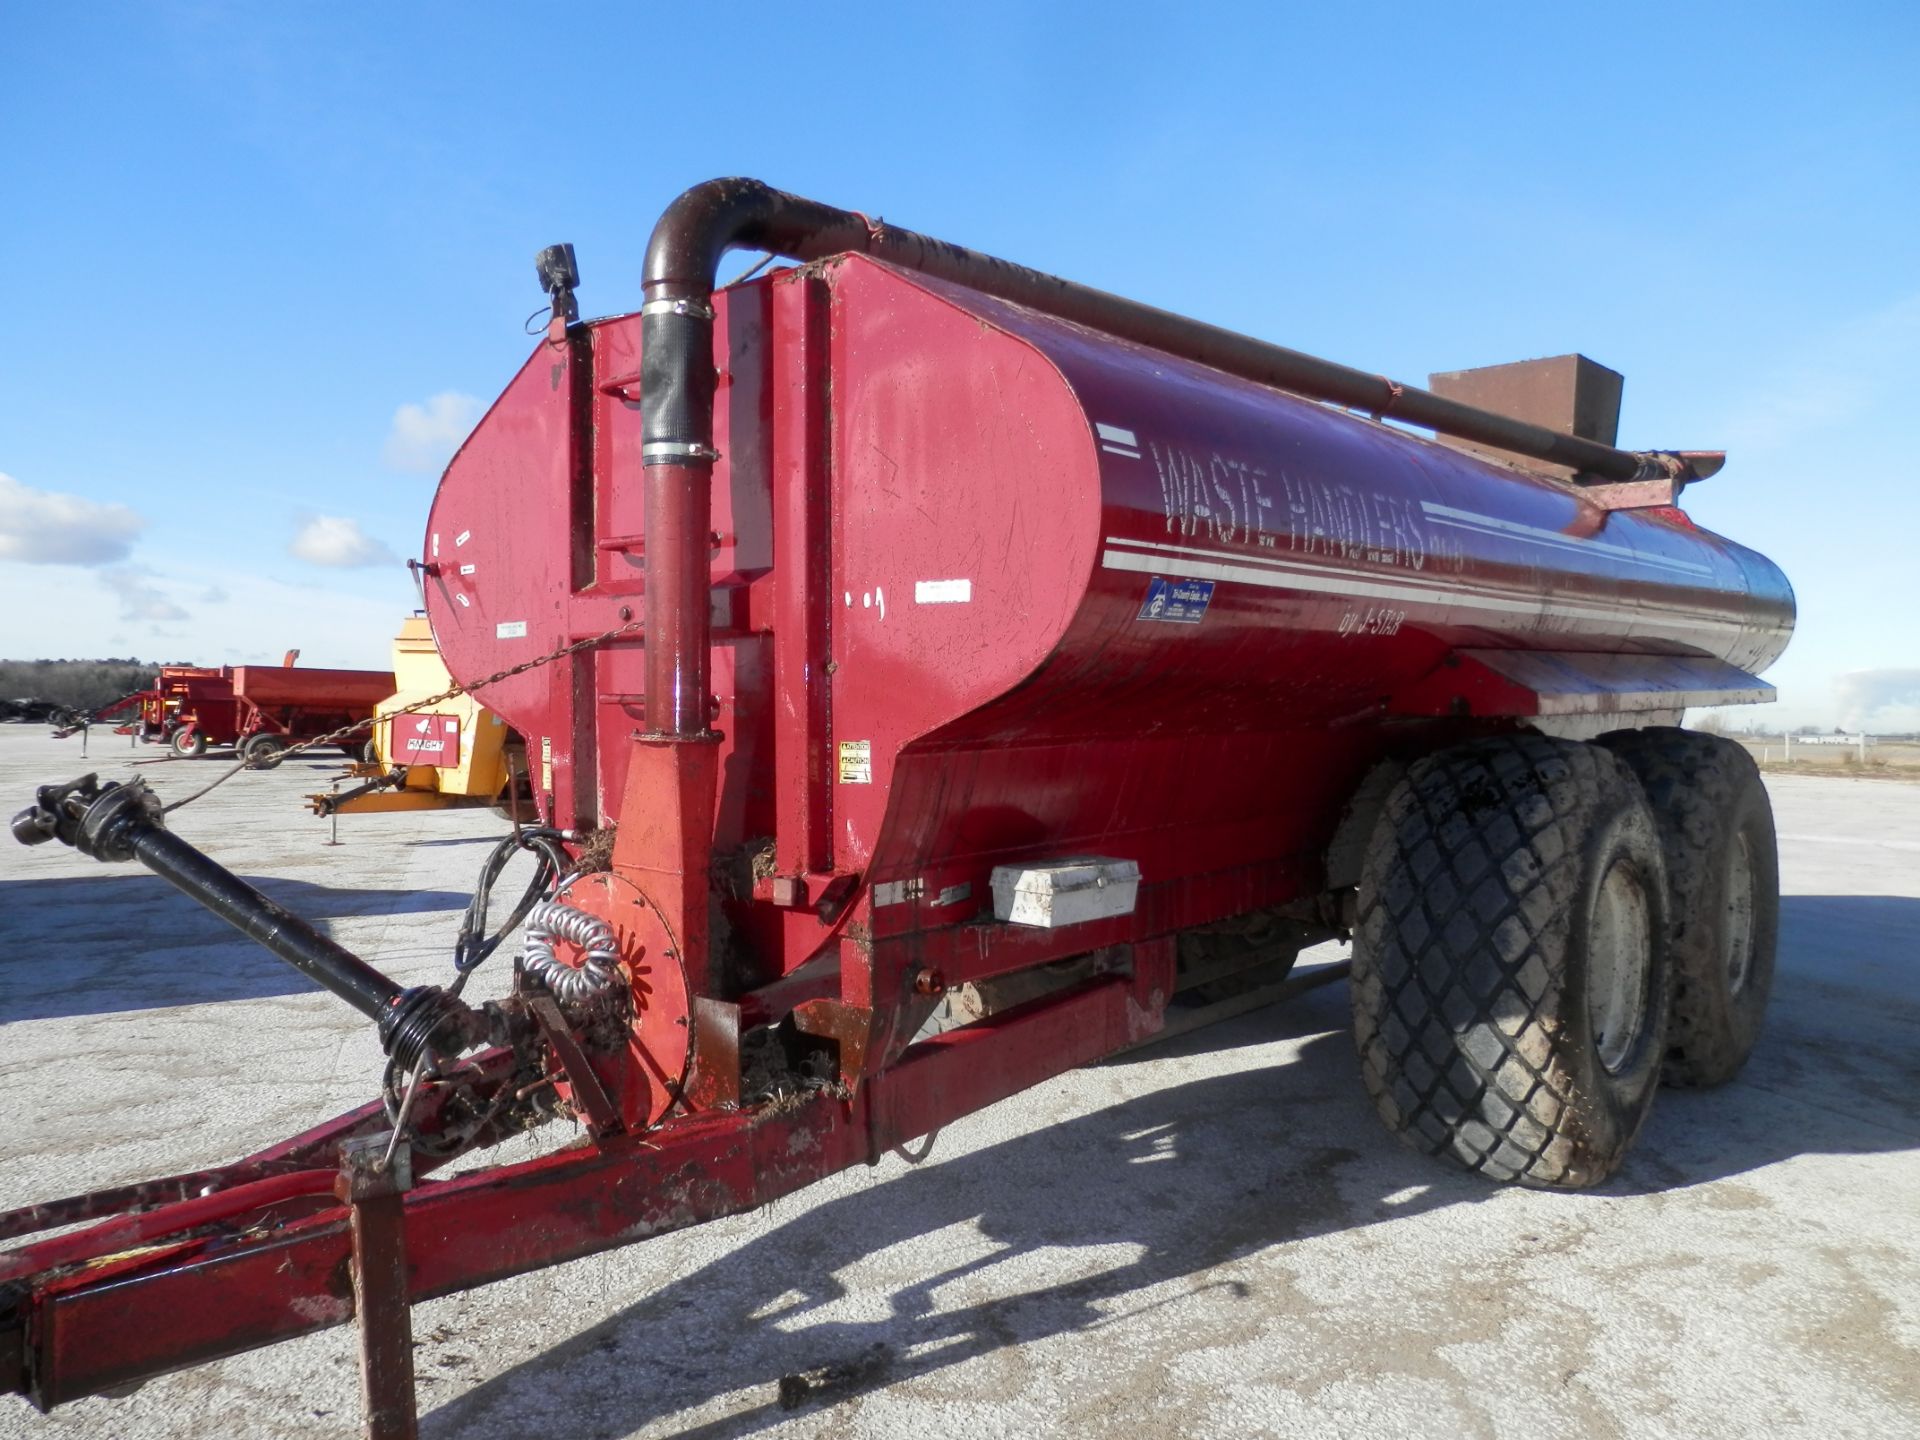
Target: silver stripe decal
point(1248, 558)
point(1494, 525)
point(1360, 582)
point(1329, 584)
point(1320, 580)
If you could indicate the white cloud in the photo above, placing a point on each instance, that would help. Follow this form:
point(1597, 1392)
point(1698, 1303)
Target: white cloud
point(40, 527)
point(424, 437)
point(335, 541)
point(346, 618)
point(140, 598)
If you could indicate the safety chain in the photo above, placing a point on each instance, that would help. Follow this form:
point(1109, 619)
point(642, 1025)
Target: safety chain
point(334, 737)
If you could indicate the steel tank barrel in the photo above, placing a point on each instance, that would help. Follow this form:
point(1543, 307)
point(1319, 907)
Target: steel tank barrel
point(984, 583)
point(1248, 527)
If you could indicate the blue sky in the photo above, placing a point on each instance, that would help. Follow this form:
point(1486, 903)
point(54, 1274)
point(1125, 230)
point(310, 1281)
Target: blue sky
point(240, 241)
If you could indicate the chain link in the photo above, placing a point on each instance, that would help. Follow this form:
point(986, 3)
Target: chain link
point(334, 737)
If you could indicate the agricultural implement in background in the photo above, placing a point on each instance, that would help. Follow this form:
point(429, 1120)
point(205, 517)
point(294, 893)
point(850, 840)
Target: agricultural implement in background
point(259, 710)
point(282, 705)
point(910, 628)
point(453, 752)
point(188, 707)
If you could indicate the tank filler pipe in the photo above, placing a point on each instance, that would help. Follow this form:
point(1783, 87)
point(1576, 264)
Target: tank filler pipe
point(678, 383)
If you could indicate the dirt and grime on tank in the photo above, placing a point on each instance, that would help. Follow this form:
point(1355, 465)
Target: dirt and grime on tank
point(1209, 1237)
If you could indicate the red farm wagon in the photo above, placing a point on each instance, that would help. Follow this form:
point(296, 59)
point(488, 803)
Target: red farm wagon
point(258, 710)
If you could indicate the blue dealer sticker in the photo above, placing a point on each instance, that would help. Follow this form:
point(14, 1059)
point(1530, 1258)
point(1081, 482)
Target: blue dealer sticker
point(1184, 602)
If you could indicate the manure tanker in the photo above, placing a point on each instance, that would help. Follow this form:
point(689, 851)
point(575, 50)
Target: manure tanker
point(936, 675)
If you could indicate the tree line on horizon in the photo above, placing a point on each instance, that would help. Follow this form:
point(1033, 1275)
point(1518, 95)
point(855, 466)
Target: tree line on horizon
point(78, 684)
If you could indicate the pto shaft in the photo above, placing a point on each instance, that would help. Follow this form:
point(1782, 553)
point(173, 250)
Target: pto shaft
point(123, 822)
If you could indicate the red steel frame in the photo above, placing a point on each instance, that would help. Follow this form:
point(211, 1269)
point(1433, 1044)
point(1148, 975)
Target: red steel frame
point(188, 1301)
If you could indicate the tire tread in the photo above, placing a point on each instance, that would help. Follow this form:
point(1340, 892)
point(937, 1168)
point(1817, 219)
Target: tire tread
point(1695, 783)
point(1475, 863)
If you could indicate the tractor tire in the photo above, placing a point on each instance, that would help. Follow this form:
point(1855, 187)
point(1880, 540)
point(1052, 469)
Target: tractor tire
point(263, 752)
point(1723, 881)
point(189, 744)
point(1510, 963)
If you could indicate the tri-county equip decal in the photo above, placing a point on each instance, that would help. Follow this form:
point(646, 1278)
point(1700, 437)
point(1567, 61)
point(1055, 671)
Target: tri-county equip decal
point(1184, 602)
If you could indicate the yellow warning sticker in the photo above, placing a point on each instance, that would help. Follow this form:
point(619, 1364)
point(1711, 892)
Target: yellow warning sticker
point(856, 762)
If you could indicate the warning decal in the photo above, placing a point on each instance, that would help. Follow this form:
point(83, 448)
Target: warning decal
point(856, 762)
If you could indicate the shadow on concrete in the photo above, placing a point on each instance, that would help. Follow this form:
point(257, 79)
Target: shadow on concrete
point(1179, 1184)
point(1835, 936)
point(126, 940)
point(1181, 1181)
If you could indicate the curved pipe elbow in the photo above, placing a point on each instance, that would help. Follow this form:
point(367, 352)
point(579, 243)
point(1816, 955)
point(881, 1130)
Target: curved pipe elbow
point(706, 221)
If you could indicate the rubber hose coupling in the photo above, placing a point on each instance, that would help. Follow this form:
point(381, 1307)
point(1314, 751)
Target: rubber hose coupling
point(428, 1020)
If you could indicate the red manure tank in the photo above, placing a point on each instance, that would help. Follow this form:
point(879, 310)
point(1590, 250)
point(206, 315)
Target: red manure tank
point(985, 585)
point(937, 675)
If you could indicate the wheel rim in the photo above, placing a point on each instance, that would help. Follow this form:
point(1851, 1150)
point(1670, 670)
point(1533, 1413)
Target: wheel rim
point(1618, 947)
point(1739, 917)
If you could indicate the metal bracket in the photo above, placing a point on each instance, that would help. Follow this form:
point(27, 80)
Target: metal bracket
point(1663, 475)
point(1634, 494)
point(715, 1081)
point(374, 1188)
point(683, 306)
point(676, 452)
point(597, 1110)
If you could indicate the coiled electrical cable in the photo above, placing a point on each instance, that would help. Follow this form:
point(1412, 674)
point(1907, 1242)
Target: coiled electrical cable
point(552, 920)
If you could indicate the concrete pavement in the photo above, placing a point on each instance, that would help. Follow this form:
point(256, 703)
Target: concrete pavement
point(1213, 1237)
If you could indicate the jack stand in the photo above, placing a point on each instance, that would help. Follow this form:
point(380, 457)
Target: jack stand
point(375, 1187)
point(333, 816)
